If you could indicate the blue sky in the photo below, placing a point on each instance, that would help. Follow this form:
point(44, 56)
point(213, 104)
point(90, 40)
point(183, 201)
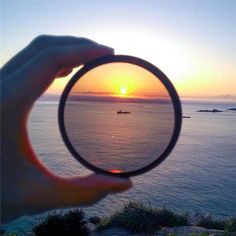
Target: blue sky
point(188, 40)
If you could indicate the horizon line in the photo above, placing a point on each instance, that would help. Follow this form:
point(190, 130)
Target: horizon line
point(223, 97)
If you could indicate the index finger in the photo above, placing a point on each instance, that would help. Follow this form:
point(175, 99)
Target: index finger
point(39, 44)
point(38, 73)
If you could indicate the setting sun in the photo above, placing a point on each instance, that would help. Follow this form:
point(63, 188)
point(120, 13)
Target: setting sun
point(123, 91)
point(119, 79)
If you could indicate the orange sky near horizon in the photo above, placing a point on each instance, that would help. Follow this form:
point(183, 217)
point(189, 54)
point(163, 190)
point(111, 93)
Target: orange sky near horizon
point(120, 79)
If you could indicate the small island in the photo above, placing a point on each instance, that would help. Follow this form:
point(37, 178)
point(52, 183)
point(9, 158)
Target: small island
point(209, 110)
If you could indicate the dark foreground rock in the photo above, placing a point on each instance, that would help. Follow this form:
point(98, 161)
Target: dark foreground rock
point(167, 231)
point(134, 219)
point(114, 232)
point(188, 230)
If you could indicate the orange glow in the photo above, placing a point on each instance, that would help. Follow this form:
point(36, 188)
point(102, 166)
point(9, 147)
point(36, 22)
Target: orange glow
point(119, 79)
point(115, 171)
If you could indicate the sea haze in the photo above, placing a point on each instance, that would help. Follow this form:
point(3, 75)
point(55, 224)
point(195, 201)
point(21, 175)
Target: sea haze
point(197, 177)
point(119, 99)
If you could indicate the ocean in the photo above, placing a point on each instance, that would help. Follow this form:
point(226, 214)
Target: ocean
point(197, 177)
point(119, 142)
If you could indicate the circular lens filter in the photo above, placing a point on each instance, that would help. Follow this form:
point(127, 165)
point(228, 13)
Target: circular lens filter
point(120, 115)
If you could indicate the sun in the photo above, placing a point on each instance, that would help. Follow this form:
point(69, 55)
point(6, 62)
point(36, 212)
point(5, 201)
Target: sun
point(123, 91)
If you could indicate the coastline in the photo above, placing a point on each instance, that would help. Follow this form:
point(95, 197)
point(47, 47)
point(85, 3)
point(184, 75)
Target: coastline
point(134, 218)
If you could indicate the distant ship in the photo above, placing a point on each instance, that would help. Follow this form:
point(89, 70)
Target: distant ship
point(123, 112)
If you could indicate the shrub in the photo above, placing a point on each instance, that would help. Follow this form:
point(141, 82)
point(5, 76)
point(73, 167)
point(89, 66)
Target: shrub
point(209, 222)
point(94, 220)
point(230, 225)
point(71, 223)
point(138, 218)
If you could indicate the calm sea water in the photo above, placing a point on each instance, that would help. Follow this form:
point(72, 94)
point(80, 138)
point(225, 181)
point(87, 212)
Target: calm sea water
point(197, 177)
point(119, 142)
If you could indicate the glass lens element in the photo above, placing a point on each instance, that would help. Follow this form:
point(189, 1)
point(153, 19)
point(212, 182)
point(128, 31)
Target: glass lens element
point(119, 117)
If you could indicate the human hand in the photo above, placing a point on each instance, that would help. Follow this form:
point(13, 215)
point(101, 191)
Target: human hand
point(28, 187)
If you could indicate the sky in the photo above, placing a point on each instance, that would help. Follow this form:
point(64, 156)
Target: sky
point(192, 42)
point(120, 79)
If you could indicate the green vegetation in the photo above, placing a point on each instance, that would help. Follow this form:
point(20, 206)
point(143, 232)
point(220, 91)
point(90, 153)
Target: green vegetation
point(139, 218)
point(95, 220)
point(134, 216)
point(209, 222)
point(230, 225)
point(71, 223)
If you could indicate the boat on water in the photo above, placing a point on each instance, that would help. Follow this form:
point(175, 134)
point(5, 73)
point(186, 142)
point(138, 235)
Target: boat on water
point(123, 112)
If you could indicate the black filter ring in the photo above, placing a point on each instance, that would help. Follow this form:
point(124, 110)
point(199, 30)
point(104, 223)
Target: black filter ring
point(139, 62)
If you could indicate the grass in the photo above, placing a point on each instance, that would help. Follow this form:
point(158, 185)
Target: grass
point(138, 218)
point(211, 223)
point(230, 225)
point(134, 216)
point(71, 223)
point(94, 220)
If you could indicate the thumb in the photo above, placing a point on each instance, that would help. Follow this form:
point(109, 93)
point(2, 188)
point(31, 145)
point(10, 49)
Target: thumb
point(87, 190)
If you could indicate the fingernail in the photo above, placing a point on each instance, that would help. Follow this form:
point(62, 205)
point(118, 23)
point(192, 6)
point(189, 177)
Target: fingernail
point(124, 181)
point(108, 48)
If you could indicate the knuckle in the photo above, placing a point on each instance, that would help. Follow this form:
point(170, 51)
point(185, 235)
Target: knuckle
point(85, 40)
point(40, 41)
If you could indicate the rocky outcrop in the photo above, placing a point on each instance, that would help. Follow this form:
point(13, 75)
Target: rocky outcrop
point(114, 232)
point(188, 230)
point(176, 231)
point(209, 110)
